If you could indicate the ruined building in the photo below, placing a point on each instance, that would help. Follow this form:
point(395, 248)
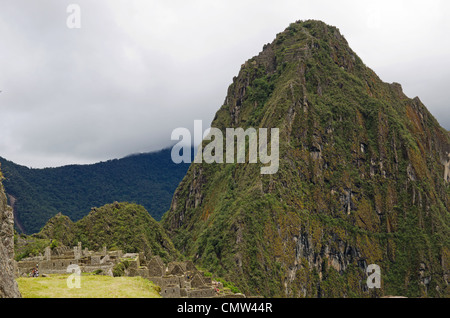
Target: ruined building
point(57, 261)
point(176, 279)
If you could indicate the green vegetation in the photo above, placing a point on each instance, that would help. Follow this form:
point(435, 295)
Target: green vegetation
point(32, 247)
point(119, 268)
point(124, 226)
point(360, 180)
point(92, 286)
point(146, 179)
point(226, 284)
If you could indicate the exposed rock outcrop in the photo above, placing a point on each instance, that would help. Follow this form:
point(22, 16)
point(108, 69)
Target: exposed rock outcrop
point(8, 285)
point(447, 169)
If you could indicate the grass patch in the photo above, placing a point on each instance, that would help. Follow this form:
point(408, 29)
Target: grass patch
point(92, 286)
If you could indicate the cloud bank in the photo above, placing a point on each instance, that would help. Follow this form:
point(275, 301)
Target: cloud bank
point(136, 70)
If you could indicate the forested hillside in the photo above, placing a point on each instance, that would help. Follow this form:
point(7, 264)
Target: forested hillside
point(39, 194)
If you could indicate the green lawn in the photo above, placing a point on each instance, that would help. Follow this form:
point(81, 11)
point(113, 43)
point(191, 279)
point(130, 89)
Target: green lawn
point(92, 286)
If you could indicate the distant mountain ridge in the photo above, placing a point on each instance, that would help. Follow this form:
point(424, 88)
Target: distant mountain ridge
point(37, 195)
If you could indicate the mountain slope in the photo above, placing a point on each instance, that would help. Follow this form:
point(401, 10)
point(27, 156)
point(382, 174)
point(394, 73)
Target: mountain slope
point(124, 226)
point(361, 180)
point(39, 194)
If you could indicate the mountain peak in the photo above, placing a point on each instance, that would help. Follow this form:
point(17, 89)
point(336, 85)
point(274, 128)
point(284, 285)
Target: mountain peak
point(361, 174)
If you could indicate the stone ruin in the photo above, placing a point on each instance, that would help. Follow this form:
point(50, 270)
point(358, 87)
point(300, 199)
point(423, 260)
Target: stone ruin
point(57, 261)
point(176, 279)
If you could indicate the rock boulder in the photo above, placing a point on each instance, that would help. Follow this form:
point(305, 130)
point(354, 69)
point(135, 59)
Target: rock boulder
point(8, 284)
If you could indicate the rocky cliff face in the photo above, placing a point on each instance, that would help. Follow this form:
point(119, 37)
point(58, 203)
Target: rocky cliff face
point(8, 285)
point(363, 179)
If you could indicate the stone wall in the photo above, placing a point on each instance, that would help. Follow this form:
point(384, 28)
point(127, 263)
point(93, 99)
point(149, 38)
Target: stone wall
point(56, 266)
point(8, 284)
point(176, 280)
point(57, 261)
point(171, 292)
point(156, 267)
point(233, 296)
point(164, 282)
point(201, 293)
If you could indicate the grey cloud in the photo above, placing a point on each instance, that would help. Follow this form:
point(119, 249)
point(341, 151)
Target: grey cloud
point(138, 69)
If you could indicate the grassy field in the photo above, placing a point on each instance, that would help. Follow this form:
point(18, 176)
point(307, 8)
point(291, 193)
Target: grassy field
point(92, 286)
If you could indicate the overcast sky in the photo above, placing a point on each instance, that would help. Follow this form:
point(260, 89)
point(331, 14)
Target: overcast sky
point(136, 70)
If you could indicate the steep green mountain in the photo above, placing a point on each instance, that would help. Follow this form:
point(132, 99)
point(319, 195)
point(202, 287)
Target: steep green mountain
point(125, 226)
point(38, 194)
point(360, 182)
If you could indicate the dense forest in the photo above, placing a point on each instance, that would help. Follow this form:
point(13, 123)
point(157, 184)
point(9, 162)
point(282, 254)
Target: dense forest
point(39, 194)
